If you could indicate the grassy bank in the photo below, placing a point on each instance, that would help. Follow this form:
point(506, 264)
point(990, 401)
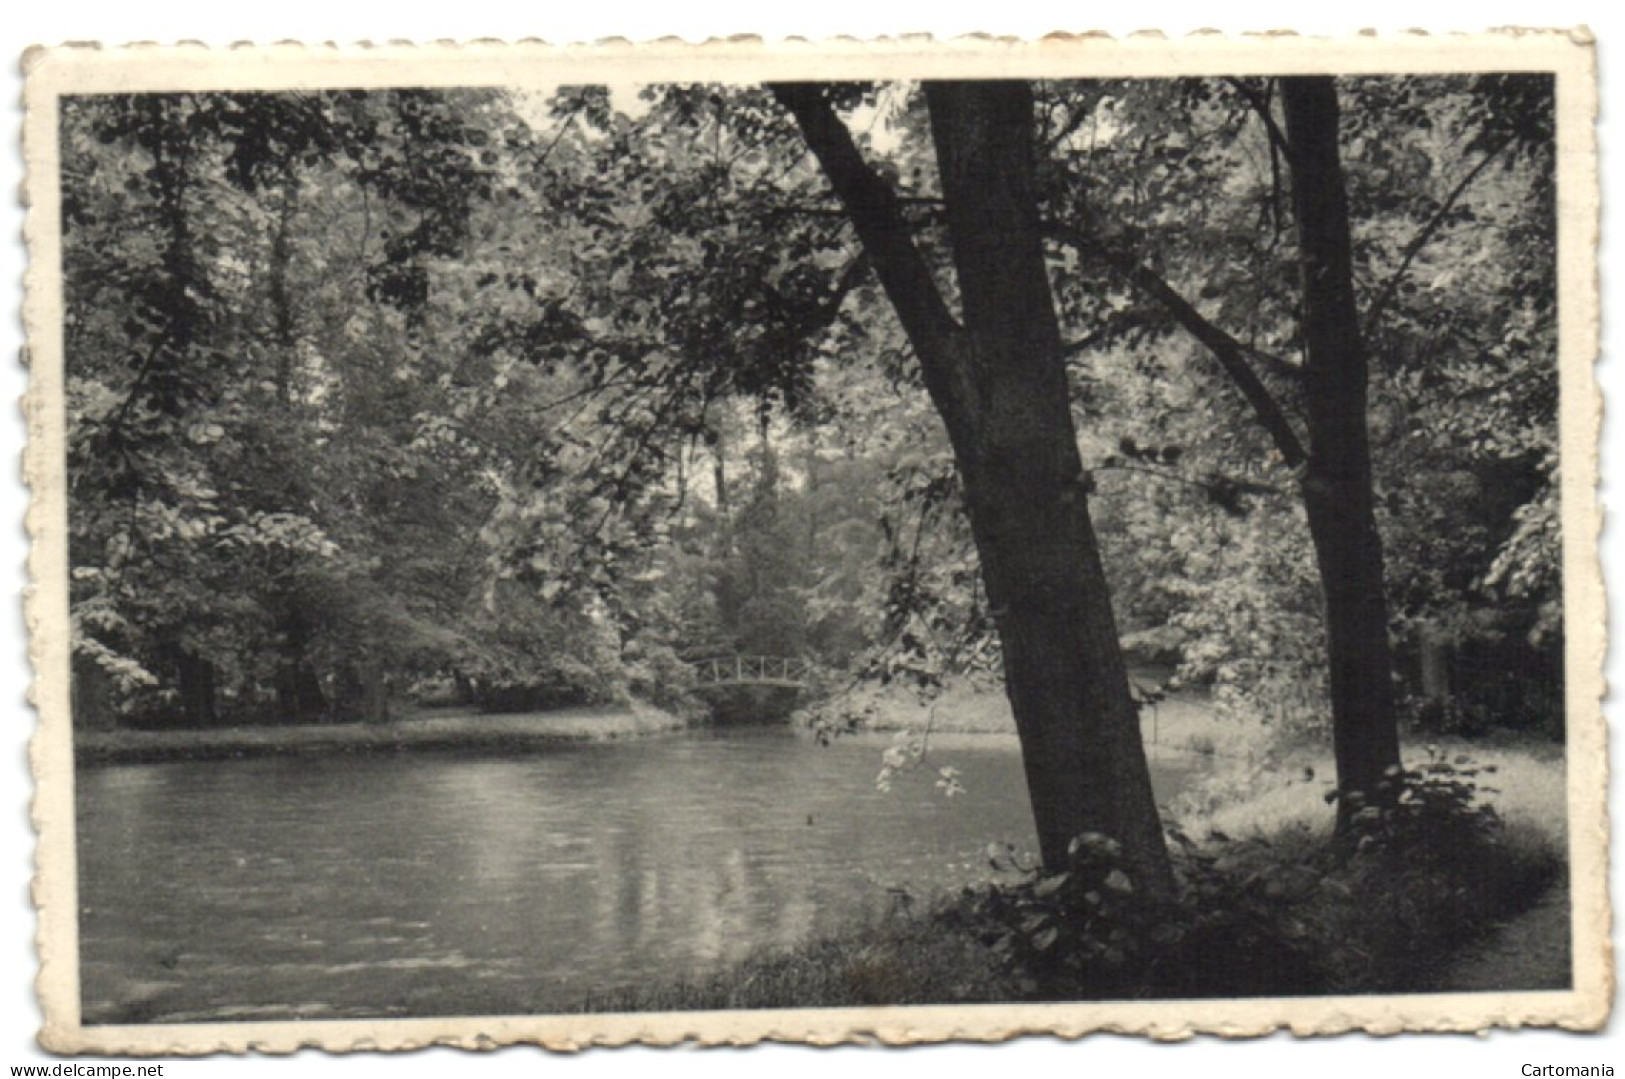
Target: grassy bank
point(1258, 783)
point(444, 729)
point(1269, 905)
point(1181, 723)
point(895, 960)
point(1285, 789)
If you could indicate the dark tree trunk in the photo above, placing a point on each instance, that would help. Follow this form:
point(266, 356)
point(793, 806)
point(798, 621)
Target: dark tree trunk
point(282, 327)
point(1337, 480)
point(999, 384)
point(299, 696)
point(1435, 662)
point(92, 696)
point(196, 678)
point(374, 693)
point(813, 522)
point(1026, 493)
point(719, 474)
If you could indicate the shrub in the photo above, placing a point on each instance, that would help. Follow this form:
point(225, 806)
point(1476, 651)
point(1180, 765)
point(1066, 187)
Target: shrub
point(1447, 716)
point(1426, 866)
point(1086, 932)
point(1416, 873)
point(1201, 744)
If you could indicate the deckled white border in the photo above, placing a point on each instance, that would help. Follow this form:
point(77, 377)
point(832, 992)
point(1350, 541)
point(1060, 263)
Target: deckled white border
point(490, 63)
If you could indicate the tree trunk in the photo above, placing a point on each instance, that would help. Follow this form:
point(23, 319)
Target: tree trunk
point(467, 690)
point(299, 696)
point(374, 692)
point(92, 692)
point(1001, 389)
point(1435, 659)
point(282, 328)
point(1337, 479)
point(719, 474)
point(195, 676)
point(1026, 492)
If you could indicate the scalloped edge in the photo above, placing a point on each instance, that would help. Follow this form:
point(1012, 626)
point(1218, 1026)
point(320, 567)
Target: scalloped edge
point(90, 67)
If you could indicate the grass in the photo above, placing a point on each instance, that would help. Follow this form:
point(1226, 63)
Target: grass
point(895, 960)
point(1262, 795)
point(1182, 723)
point(444, 729)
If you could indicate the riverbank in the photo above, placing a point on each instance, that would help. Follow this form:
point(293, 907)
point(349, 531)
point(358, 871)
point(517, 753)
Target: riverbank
point(1295, 918)
point(1259, 782)
point(441, 729)
point(1523, 780)
point(1183, 722)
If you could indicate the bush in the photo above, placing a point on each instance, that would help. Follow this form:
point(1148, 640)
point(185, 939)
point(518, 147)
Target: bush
point(655, 673)
point(1429, 814)
point(1447, 716)
point(1087, 933)
point(1426, 867)
point(1414, 875)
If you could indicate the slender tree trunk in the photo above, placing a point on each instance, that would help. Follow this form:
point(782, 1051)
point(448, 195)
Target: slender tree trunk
point(374, 692)
point(719, 473)
point(1435, 661)
point(282, 328)
point(298, 688)
point(194, 677)
point(813, 522)
point(299, 695)
point(1000, 386)
point(92, 691)
point(1337, 490)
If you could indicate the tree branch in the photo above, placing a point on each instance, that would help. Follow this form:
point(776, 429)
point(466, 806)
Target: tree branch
point(877, 213)
point(1261, 106)
point(1230, 353)
point(1282, 365)
point(1390, 288)
point(1209, 483)
point(823, 315)
point(1090, 340)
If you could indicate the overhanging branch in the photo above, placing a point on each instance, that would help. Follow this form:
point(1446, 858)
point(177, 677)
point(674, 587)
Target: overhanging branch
point(1390, 288)
point(876, 212)
point(1229, 352)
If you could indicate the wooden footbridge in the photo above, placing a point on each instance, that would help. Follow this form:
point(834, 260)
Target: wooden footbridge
point(778, 672)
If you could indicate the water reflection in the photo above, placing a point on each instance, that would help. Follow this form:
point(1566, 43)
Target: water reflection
point(437, 883)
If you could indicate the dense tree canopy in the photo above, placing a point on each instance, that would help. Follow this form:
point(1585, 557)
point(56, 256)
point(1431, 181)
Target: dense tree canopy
point(537, 395)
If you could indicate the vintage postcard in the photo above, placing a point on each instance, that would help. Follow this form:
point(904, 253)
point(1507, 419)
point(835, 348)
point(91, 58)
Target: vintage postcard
point(895, 541)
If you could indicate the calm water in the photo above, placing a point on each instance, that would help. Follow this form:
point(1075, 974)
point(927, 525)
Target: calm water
point(440, 883)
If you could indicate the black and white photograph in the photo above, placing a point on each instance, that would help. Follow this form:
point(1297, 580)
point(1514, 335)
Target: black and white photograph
point(656, 544)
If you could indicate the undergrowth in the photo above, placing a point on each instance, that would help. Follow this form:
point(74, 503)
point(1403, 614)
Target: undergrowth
point(1424, 866)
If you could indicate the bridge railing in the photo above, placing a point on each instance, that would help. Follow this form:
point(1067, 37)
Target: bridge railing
point(747, 669)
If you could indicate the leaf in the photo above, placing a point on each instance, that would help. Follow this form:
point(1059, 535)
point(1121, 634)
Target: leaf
point(1048, 886)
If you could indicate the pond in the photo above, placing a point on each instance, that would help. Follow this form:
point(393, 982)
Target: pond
point(441, 883)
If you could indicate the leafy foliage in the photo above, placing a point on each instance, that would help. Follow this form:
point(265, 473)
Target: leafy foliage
point(430, 382)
